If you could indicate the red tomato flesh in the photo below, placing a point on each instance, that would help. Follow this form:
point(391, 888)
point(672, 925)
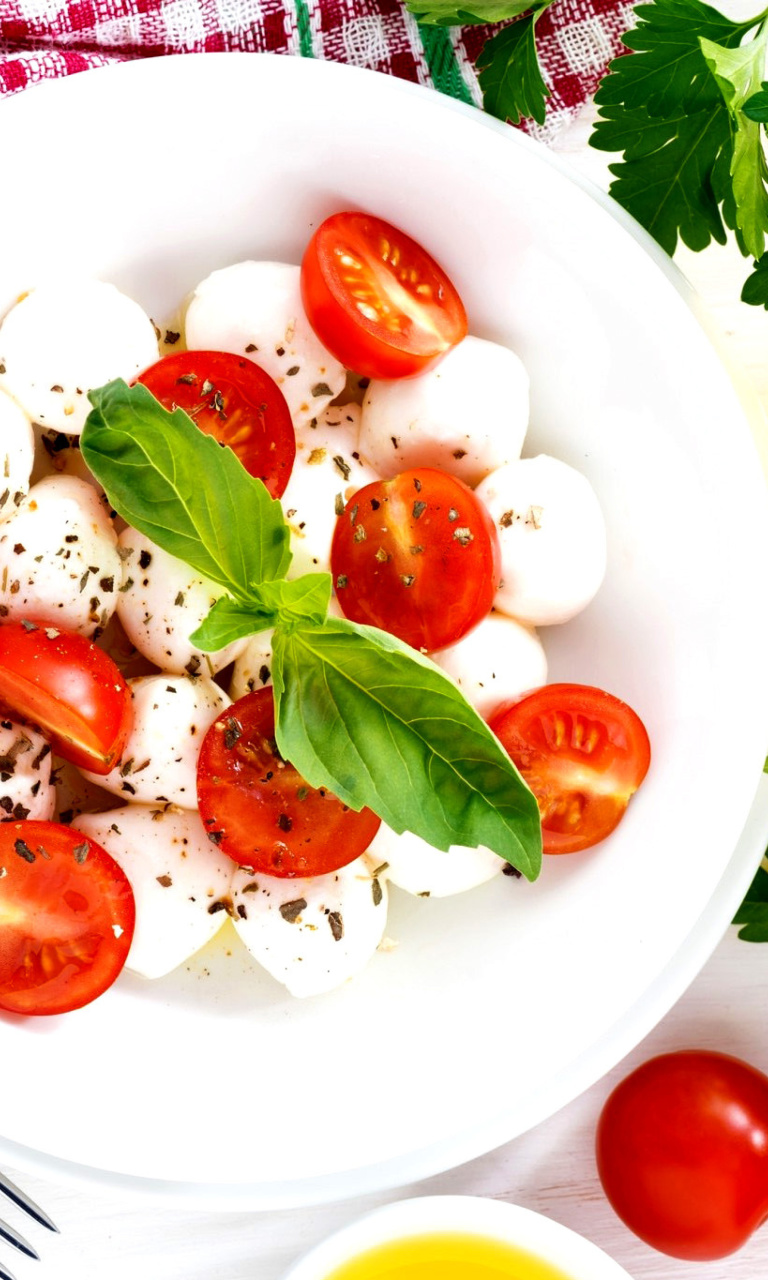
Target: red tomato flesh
point(256, 807)
point(235, 401)
point(66, 918)
point(682, 1152)
point(69, 688)
point(376, 299)
point(582, 752)
point(418, 556)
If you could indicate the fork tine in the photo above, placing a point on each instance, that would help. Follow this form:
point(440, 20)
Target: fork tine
point(13, 1237)
point(26, 1203)
point(5, 1274)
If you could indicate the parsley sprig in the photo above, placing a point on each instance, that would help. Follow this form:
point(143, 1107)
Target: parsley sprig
point(356, 710)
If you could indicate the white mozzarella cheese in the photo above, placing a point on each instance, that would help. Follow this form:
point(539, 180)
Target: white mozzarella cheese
point(180, 881)
point(311, 935)
point(327, 472)
point(171, 715)
point(59, 562)
point(553, 539)
point(67, 337)
point(253, 667)
point(26, 790)
point(161, 602)
point(17, 455)
point(498, 660)
point(468, 415)
point(255, 309)
point(409, 862)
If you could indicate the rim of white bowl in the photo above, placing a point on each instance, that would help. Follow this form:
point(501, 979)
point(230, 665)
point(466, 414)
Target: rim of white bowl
point(533, 1233)
point(659, 996)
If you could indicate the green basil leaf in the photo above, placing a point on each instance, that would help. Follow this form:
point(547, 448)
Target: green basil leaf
point(230, 620)
point(753, 912)
point(362, 713)
point(178, 486)
point(302, 599)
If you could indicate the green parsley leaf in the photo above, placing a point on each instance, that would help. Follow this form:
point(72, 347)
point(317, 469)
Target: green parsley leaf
point(753, 912)
point(663, 108)
point(446, 13)
point(510, 74)
point(737, 74)
point(402, 740)
point(179, 487)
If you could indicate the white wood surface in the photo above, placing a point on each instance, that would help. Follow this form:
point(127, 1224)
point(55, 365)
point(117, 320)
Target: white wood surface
point(551, 1169)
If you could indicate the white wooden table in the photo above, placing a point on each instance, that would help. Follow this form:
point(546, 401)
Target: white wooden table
point(551, 1169)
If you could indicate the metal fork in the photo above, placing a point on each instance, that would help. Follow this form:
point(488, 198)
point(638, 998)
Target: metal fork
point(9, 1234)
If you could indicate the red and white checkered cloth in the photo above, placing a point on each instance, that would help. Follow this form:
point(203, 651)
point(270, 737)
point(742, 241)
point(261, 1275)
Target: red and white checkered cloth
point(44, 39)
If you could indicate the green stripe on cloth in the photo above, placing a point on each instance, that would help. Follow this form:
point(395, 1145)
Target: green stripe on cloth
point(305, 29)
point(442, 62)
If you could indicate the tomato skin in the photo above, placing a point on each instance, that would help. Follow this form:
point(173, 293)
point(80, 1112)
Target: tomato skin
point(411, 313)
point(234, 400)
point(67, 916)
point(259, 810)
point(418, 556)
point(69, 688)
point(682, 1153)
point(582, 752)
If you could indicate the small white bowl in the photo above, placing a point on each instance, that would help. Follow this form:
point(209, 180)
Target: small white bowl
point(545, 1240)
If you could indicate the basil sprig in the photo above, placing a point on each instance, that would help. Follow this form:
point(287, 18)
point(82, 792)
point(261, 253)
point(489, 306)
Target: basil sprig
point(356, 710)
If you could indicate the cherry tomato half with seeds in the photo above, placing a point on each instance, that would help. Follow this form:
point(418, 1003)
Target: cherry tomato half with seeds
point(377, 300)
point(583, 753)
point(682, 1152)
point(418, 556)
point(235, 401)
point(258, 810)
point(66, 918)
point(69, 688)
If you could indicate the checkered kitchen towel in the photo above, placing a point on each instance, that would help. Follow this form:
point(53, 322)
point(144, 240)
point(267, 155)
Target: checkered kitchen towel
point(43, 39)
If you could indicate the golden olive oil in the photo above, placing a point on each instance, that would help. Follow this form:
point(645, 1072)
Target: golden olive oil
point(446, 1256)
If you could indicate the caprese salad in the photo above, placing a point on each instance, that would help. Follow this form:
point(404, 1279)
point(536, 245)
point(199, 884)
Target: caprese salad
point(145, 797)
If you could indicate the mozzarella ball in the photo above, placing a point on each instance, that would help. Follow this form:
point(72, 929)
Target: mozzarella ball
point(327, 472)
point(67, 337)
point(26, 790)
point(311, 935)
point(180, 881)
point(59, 562)
point(467, 415)
point(409, 862)
point(171, 715)
point(161, 602)
point(553, 539)
point(498, 660)
point(255, 309)
point(253, 667)
point(17, 455)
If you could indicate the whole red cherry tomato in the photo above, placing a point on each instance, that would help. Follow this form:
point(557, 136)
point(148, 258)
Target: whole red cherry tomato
point(682, 1153)
point(418, 556)
point(236, 402)
point(69, 688)
point(256, 807)
point(376, 299)
point(582, 752)
point(66, 918)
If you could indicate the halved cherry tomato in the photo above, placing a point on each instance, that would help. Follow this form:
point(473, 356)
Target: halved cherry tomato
point(376, 299)
point(682, 1152)
point(582, 752)
point(418, 556)
point(257, 809)
point(236, 402)
point(66, 918)
point(69, 688)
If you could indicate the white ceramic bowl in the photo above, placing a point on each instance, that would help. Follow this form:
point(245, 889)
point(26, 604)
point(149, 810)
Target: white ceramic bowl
point(213, 1086)
point(532, 1233)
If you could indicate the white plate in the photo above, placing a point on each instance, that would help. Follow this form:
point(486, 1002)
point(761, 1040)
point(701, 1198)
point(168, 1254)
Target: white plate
point(212, 1086)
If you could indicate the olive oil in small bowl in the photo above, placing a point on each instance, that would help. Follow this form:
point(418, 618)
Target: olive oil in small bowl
point(455, 1238)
